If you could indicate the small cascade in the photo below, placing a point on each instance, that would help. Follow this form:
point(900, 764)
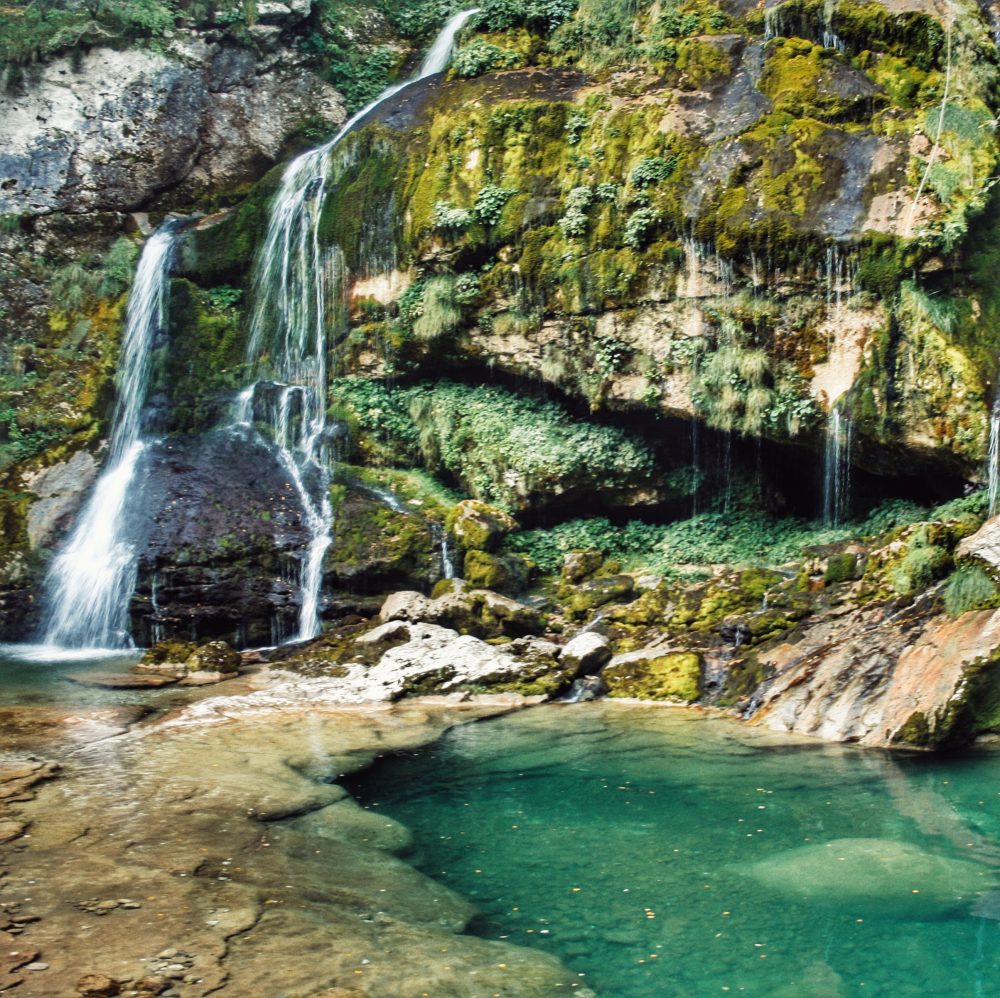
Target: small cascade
point(993, 466)
point(830, 38)
point(438, 533)
point(444, 547)
point(90, 583)
point(837, 467)
point(773, 22)
point(296, 283)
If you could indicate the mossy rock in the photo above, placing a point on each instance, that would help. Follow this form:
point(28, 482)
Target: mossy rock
point(651, 675)
point(579, 565)
point(599, 592)
point(478, 526)
point(216, 656)
point(377, 549)
point(168, 651)
point(841, 567)
point(973, 711)
point(502, 574)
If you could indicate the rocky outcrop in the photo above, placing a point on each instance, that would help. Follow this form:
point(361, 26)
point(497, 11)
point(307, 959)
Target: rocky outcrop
point(60, 489)
point(116, 130)
point(885, 678)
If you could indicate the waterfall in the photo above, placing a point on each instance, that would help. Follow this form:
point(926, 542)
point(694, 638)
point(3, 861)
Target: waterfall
point(837, 467)
point(993, 469)
point(293, 284)
point(830, 38)
point(90, 583)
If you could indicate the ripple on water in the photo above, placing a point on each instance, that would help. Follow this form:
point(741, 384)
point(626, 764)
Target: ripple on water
point(666, 853)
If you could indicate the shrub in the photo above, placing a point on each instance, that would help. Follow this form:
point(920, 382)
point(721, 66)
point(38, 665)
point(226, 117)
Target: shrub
point(450, 219)
point(653, 170)
point(480, 57)
point(439, 314)
point(490, 203)
point(638, 225)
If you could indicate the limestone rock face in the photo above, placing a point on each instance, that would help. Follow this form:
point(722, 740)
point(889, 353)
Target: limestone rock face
point(476, 611)
point(869, 676)
point(116, 129)
point(60, 489)
point(983, 546)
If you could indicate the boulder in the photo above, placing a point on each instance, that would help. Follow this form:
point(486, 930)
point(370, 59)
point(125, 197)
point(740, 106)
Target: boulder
point(983, 547)
point(502, 573)
point(586, 652)
point(408, 605)
point(216, 656)
point(599, 592)
point(655, 674)
point(478, 526)
point(578, 565)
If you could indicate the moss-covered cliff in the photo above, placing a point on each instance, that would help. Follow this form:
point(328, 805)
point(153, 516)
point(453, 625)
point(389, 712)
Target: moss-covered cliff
point(611, 276)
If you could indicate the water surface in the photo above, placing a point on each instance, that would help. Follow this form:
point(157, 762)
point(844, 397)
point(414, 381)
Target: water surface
point(626, 841)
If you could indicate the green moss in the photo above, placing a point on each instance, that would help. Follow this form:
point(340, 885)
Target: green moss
point(489, 571)
point(841, 567)
point(202, 359)
point(220, 249)
point(674, 676)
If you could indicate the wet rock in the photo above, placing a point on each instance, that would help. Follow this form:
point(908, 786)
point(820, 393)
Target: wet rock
point(586, 652)
point(119, 680)
point(10, 829)
point(214, 657)
point(655, 674)
point(883, 676)
point(377, 547)
point(586, 688)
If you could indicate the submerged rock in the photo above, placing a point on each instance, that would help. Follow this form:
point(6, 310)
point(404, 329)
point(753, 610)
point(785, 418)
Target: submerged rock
point(879, 875)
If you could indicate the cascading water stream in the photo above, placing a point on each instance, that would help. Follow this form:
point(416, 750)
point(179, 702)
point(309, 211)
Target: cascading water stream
point(90, 583)
point(837, 467)
point(993, 459)
point(294, 281)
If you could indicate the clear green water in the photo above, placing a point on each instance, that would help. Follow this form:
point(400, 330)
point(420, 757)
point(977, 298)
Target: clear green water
point(623, 840)
point(32, 675)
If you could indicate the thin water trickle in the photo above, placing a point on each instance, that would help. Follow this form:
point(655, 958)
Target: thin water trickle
point(90, 583)
point(296, 282)
point(993, 469)
point(837, 467)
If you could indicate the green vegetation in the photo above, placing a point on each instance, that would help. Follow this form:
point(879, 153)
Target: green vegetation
point(969, 587)
point(506, 449)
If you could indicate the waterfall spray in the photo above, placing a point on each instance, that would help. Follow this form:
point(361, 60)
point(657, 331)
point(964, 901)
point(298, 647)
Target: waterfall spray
point(294, 283)
point(90, 583)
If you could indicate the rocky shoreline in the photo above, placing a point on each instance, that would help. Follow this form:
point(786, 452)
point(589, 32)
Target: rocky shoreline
point(210, 850)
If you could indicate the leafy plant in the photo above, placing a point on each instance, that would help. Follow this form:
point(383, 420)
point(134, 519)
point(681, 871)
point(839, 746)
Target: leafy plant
point(490, 202)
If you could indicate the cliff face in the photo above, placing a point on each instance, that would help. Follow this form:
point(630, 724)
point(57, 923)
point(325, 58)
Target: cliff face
point(708, 258)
